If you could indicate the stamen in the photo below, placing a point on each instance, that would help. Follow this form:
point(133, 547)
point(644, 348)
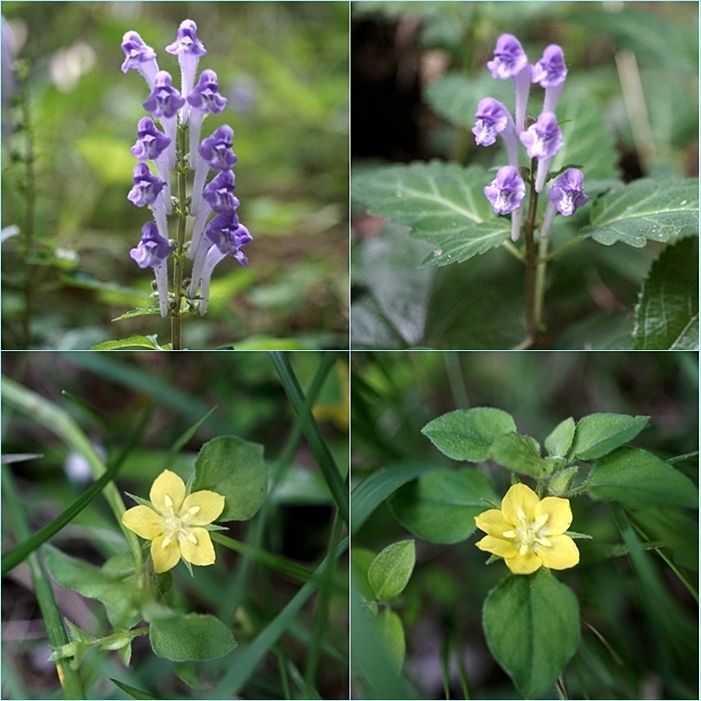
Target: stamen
point(166, 541)
point(168, 501)
point(193, 510)
point(509, 534)
point(191, 537)
point(521, 515)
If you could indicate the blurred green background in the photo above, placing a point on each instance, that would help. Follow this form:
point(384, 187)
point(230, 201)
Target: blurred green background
point(651, 641)
point(284, 69)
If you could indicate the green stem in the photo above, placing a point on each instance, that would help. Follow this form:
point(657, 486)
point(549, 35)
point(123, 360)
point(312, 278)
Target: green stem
point(540, 281)
point(566, 246)
point(179, 257)
point(530, 258)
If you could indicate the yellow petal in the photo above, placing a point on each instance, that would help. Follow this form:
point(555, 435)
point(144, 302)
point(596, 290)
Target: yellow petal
point(519, 496)
point(201, 552)
point(167, 492)
point(562, 553)
point(559, 514)
point(524, 564)
point(145, 522)
point(497, 546)
point(205, 505)
point(164, 558)
point(492, 522)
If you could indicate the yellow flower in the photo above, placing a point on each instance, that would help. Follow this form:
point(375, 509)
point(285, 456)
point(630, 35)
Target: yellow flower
point(174, 524)
point(528, 532)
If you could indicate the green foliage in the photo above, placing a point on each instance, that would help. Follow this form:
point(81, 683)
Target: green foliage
point(560, 439)
point(389, 572)
point(392, 632)
point(234, 468)
point(667, 314)
point(532, 628)
point(599, 434)
point(520, 454)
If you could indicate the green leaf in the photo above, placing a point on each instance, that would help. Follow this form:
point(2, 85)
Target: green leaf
point(113, 587)
point(667, 315)
point(638, 479)
point(441, 506)
point(131, 691)
point(182, 637)
point(234, 468)
point(392, 634)
point(390, 571)
point(520, 454)
point(467, 434)
point(139, 311)
point(130, 342)
point(531, 623)
point(560, 439)
point(598, 434)
point(457, 249)
point(441, 202)
point(646, 209)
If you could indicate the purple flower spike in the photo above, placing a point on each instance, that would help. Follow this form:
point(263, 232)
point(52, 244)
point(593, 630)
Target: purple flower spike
point(550, 73)
point(188, 49)
point(146, 188)
point(216, 153)
point(567, 192)
point(542, 141)
point(204, 99)
point(509, 58)
point(506, 191)
point(492, 119)
point(153, 252)
point(140, 57)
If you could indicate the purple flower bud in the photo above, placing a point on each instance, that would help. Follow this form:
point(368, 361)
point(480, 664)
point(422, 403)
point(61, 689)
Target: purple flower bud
point(550, 71)
point(139, 56)
point(219, 194)
point(506, 191)
point(205, 96)
point(544, 138)
point(164, 101)
point(492, 119)
point(151, 142)
point(153, 249)
point(188, 49)
point(146, 188)
point(567, 192)
point(509, 58)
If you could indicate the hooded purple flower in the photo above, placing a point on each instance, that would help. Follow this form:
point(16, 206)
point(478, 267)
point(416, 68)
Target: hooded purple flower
point(544, 138)
point(164, 100)
point(551, 70)
point(506, 191)
point(215, 153)
point(152, 252)
point(188, 49)
point(219, 193)
point(567, 192)
point(509, 58)
point(204, 99)
point(494, 119)
point(139, 56)
point(146, 188)
point(151, 142)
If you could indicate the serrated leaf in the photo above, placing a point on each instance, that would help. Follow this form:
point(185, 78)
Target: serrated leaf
point(638, 479)
point(560, 439)
point(467, 434)
point(667, 314)
point(646, 209)
point(390, 571)
point(483, 237)
point(234, 468)
point(130, 342)
point(441, 506)
point(598, 434)
point(440, 202)
point(520, 454)
point(531, 623)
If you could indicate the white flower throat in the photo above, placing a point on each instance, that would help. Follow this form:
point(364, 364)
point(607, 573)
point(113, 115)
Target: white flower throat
point(176, 525)
point(529, 534)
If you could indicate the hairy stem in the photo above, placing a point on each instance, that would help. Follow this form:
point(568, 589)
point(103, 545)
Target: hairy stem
point(530, 257)
point(179, 257)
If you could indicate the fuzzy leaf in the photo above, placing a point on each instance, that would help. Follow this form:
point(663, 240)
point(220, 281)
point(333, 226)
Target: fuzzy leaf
point(598, 434)
point(520, 454)
point(390, 571)
point(560, 439)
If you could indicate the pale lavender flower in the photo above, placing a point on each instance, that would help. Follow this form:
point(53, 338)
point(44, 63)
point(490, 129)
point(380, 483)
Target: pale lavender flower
point(216, 153)
point(542, 141)
point(506, 191)
point(550, 73)
point(163, 103)
point(152, 145)
point(510, 61)
point(204, 99)
point(152, 252)
point(148, 191)
point(218, 197)
point(139, 56)
point(565, 196)
point(188, 49)
point(494, 119)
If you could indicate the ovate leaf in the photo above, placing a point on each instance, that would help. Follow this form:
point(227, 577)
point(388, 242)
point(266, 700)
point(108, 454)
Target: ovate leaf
point(392, 633)
point(234, 468)
point(638, 479)
point(646, 209)
point(389, 572)
point(467, 434)
point(441, 506)
point(598, 434)
point(667, 315)
point(560, 439)
point(520, 454)
point(532, 628)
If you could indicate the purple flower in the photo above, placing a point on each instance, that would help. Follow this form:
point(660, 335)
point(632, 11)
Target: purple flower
point(139, 56)
point(492, 119)
point(146, 188)
point(509, 58)
point(551, 70)
point(544, 138)
point(216, 153)
point(204, 99)
point(151, 142)
point(152, 252)
point(567, 192)
point(506, 191)
point(188, 49)
point(219, 193)
point(164, 100)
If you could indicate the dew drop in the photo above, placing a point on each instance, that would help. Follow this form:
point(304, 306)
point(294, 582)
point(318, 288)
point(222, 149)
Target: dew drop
point(682, 203)
point(398, 193)
point(437, 252)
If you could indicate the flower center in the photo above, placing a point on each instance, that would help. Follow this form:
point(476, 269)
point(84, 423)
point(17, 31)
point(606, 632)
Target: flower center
point(177, 525)
point(529, 534)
